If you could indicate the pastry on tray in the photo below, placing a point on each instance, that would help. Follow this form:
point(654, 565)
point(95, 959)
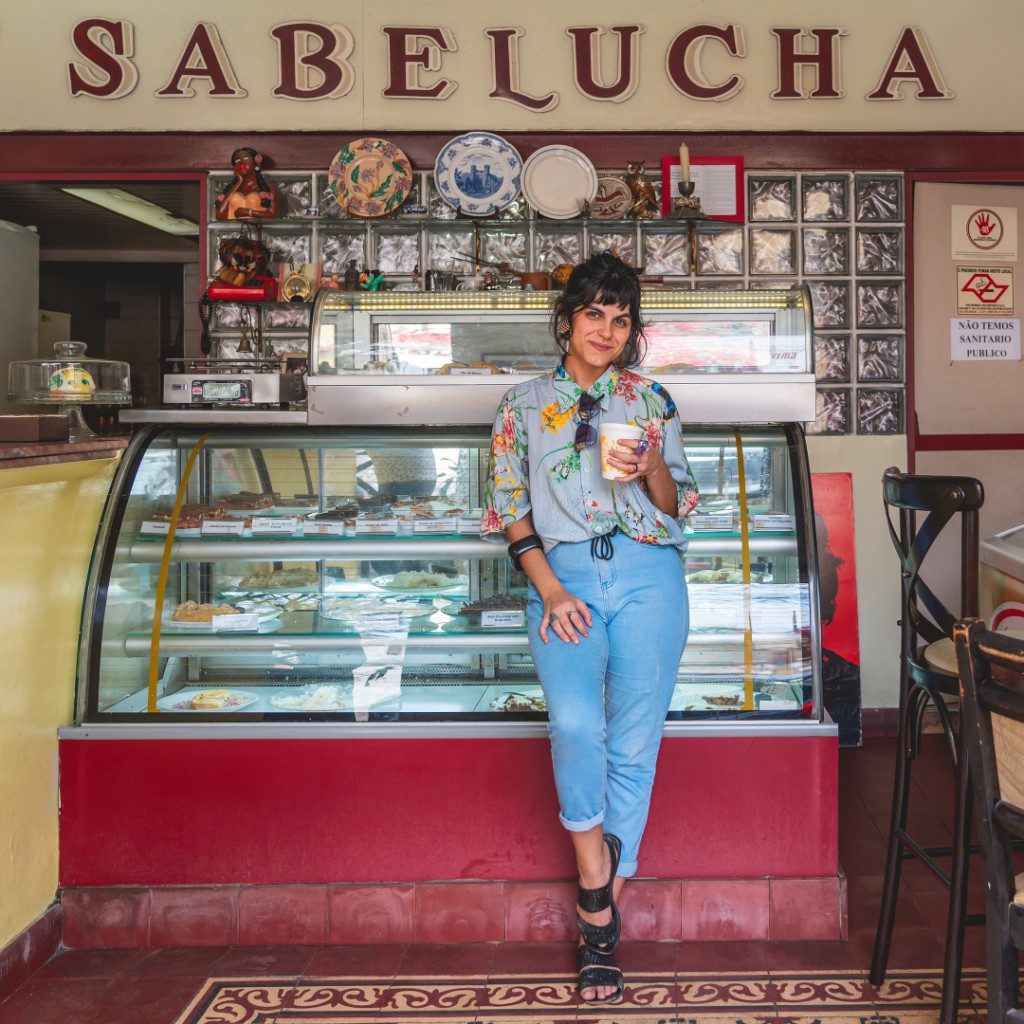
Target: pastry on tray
point(211, 700)
point(494, 603)
point(249, 500)
point(448, 367)
point(190, 611)
point(267, 579)
point(518, 702)
point(413, 580)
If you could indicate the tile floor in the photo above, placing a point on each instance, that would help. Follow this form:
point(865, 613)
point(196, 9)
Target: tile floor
point(154, 986)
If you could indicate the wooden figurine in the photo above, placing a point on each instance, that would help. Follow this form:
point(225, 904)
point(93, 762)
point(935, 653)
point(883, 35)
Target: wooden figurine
point(645, 199)
point(250, 195)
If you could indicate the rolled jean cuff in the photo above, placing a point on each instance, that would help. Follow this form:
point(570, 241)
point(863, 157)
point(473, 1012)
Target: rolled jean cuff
point(627, 869)
point(581, 826)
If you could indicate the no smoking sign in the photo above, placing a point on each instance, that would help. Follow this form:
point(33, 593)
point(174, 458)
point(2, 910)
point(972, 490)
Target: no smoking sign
point(986, 290)
point(989, 231)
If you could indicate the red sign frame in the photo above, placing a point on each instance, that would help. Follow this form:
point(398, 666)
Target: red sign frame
point(736, 162)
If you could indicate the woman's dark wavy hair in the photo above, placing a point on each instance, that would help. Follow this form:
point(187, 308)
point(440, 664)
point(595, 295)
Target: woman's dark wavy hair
point(607, 280)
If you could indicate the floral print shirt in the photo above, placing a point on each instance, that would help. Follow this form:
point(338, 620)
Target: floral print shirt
point(534, 467)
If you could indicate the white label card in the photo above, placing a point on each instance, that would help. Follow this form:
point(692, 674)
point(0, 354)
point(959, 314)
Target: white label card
point(711, 521)
point(976, 339)
point(324, 528)
point(155, 528)
point(223, 528)
point(380, 623)
point(774, 521)
point(278, 525)
point(501, 619)
point(470, 371)
point(235, 623)
point(448, 524)
point(377, 525)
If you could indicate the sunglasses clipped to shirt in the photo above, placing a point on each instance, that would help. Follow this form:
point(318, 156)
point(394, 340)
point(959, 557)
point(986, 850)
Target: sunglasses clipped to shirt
point(586, 432)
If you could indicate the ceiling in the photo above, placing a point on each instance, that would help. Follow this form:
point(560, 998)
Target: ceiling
point(67, 224)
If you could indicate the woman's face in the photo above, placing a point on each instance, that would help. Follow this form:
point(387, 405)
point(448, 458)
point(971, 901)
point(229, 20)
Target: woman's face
point(599, 334)
point(244, 165)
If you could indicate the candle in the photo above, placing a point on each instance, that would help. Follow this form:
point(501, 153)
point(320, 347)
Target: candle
point(684, 163)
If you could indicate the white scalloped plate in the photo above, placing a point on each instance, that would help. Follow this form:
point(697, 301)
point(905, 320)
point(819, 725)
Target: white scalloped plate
point(557, 180)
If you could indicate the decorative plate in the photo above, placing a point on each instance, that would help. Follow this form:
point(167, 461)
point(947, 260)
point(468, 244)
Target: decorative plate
point(369, 177)
point(613, 198)
point(388, 583)
point(478, 173)
point(557, 180)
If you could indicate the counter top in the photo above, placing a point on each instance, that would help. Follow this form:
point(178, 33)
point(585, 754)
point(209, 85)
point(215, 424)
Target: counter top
point(49, 453)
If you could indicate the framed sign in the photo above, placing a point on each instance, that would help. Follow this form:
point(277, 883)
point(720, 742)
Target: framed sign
point(717, 180)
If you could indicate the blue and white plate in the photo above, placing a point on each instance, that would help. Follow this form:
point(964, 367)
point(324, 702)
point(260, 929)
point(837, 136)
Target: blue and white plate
point(478, 173)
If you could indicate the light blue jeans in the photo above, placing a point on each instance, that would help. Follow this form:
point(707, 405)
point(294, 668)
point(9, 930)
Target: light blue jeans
point(608, 696)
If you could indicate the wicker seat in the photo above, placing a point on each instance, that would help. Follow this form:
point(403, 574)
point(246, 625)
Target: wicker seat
point(992, 694)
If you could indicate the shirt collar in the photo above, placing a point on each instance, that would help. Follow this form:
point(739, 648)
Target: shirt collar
point(568, 391)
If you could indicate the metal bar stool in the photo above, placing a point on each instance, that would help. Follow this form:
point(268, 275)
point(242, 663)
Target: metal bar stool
point(928, 674)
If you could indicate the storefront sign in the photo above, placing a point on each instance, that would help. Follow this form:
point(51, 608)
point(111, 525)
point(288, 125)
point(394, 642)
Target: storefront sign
point(989, 231)
point(986, 290)
point(977, 339)
point(449, 65)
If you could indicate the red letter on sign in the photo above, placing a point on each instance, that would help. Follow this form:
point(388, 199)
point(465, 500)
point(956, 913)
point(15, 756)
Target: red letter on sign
point(682, 62)
point(587, 61)
point(108, 46)
point(204, 56)
point(505, 72)
point(912, 61)
point(824, 60)
point(309, 52)
point(402, 62)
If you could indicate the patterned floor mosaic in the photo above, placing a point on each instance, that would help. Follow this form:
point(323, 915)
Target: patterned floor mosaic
point(838, 997)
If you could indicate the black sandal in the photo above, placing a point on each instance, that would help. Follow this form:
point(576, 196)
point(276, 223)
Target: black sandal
point(598, 969)
point(602, 938)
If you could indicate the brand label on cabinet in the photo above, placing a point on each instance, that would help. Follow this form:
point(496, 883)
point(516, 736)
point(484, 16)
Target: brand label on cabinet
point(716, 521)
point(223, 528)
point(377, 525)
point(155, 528)
point(448, 524)
point(275, 525)
point(774, 521)
point(324, 528)
point(235, 623)
point(501, 619)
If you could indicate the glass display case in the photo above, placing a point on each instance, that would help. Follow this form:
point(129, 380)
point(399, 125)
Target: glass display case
point(338, 574)
point(727, 356)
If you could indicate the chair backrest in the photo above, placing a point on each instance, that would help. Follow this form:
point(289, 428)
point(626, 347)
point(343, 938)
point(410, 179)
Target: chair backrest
point(991, 669)
point(941, 498)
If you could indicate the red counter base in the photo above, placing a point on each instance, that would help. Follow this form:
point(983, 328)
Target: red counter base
point(169, 841)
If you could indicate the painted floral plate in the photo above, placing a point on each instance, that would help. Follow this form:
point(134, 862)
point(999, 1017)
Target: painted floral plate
point(369, 177)
point(613, 198)
point(478, 173)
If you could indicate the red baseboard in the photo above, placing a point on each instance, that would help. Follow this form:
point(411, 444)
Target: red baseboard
point(766, 909)
point(29, 950)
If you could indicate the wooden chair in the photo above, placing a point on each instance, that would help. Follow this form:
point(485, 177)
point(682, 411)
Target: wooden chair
point(992, 709)
point(928, 675)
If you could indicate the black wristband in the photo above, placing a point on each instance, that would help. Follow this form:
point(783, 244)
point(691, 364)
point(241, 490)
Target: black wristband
point(518, 548)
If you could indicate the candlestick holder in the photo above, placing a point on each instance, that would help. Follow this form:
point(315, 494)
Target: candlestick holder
point(686, 205)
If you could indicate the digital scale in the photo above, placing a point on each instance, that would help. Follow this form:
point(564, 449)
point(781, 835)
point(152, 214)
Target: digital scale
point(232, 382)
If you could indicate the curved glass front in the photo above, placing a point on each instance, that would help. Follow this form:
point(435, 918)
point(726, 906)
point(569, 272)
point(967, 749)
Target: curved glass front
point(340, 574)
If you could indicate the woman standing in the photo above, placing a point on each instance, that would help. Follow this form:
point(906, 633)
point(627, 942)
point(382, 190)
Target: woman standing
point(607, 614)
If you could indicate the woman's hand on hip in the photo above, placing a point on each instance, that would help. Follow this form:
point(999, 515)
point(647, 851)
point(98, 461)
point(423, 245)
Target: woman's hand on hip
point(636, 459)
point(567, 616)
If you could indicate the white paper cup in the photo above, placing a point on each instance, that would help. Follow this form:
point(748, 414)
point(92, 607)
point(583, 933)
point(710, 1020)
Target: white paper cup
point(611, 434)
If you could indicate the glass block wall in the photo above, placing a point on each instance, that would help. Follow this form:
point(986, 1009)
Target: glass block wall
point(840, 232)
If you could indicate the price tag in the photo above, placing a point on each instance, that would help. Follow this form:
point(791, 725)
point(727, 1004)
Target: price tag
point(324, 528)
point(447, 524)
point(470, 525)
point(223, 527)
point(501, 619)
point(774, 521)
point(380, 623)
point(282, 526)
point(470, 371)
point(155, 528)
point(235, 623)
point(778, 705)
point(717, 521)
point(377, 525)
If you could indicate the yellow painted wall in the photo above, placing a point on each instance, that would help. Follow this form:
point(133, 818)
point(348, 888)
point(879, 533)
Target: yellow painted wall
point(48, 520)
